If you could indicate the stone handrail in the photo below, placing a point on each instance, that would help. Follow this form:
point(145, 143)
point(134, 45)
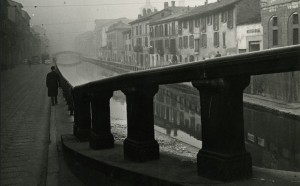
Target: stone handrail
point(220, 82)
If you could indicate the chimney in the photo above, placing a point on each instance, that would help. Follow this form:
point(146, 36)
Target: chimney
point(206, 2)
point(148, 11)
point(155, 10)
point(166, 4)
point(173, 3)
point(139, 16)
point(144, 11)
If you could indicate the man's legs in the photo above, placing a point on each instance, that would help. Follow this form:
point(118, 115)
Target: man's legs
point(52, 100)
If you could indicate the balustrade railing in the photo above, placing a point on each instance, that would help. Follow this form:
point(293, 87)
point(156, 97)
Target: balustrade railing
point(220, 82)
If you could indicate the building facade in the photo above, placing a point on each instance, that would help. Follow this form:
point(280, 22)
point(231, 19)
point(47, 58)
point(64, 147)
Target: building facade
point(128, 50)
point(212, 28)
point(115, 50)
point(250, 37)
point(164, 37)
point(280, 21)
point(18, 42)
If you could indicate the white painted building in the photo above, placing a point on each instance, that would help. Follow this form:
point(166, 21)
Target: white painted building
point(250, 37)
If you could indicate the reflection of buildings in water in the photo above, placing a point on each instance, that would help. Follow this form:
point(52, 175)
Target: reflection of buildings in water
point(175, 110)
point(270, 138)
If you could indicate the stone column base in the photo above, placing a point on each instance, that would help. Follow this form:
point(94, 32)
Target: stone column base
point(141, 151)
point(81, 134)
point(222, 167)
point(104, 141)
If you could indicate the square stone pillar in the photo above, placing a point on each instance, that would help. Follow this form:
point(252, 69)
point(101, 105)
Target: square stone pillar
point(82, 116)
point(223, 155)
point(101, 137)
point(140, 144)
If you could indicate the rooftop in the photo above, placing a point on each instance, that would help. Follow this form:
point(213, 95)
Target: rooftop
point(204, 9)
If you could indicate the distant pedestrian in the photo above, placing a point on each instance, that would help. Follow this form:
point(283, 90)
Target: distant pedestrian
point(174, 59)
point(218, 54)
point(52, 83)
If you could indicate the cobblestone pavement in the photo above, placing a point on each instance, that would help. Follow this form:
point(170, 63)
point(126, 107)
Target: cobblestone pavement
point(25, 111)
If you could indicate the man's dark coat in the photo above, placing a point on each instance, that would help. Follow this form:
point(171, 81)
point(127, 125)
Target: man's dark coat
point(52, 82)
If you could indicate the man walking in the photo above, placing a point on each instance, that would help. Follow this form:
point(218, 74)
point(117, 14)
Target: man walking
point(52, 83)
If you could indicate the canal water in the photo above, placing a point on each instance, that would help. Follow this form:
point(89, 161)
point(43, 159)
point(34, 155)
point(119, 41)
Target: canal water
point(273, 140)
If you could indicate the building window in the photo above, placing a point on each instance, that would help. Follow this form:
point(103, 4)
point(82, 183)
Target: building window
point(173, 28)
point(179, 27)
point(146, 29)
point(180, 42)
point(197, 22)
point(204, 40)
point(172, 46)
point(151, 31)
point(230, 19)
point(156, 31)
point(191, 41)
point(224, 39)
point(295, 36)
point(185, 41)
point(137, 30)
point(275, 37)
point(161, 30)
point(140, 29)
point(216, 22)
point(191, 26)
point(203, 25)
point(216, 39)
point(166, 30)
point(167, 45)
point(197, 45)
point(275, 21)
point(209, 20)
point(295, 19)
point(224, 17)
point(146, 41)
point(185, 24)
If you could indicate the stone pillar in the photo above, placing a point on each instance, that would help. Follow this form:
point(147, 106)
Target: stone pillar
point(223, 155)
point(140, 144)
point(82, 116)
point(101, 137)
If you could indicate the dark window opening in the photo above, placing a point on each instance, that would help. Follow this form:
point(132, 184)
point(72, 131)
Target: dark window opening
point(295, 36)
point(275, 37)
point(216, 39)
point(185, 41)
point(166, 29)
point(191, 41)
point(224, 39)
point(275, 21)
point(295, 19)
point(180, 42)
point(230, 19)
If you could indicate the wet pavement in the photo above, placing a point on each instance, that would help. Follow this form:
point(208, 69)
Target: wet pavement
point(25, 112)
point(30, 140)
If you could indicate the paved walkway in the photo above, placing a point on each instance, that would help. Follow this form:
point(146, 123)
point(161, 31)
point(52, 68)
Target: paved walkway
point(30, 148)
point(25, 111)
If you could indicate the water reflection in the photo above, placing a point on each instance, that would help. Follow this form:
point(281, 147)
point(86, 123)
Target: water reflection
point(273, 140)
point(170, 117)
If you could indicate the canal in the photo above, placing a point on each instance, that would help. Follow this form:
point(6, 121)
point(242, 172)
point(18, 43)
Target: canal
point(271, 138)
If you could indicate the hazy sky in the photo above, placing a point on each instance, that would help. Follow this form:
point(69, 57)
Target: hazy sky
point(65, 19)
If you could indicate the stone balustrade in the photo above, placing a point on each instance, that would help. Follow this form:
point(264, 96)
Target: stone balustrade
point(220, 82)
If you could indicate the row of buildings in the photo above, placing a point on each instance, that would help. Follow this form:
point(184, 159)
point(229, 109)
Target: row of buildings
point(179, 34)
point(19, 40)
